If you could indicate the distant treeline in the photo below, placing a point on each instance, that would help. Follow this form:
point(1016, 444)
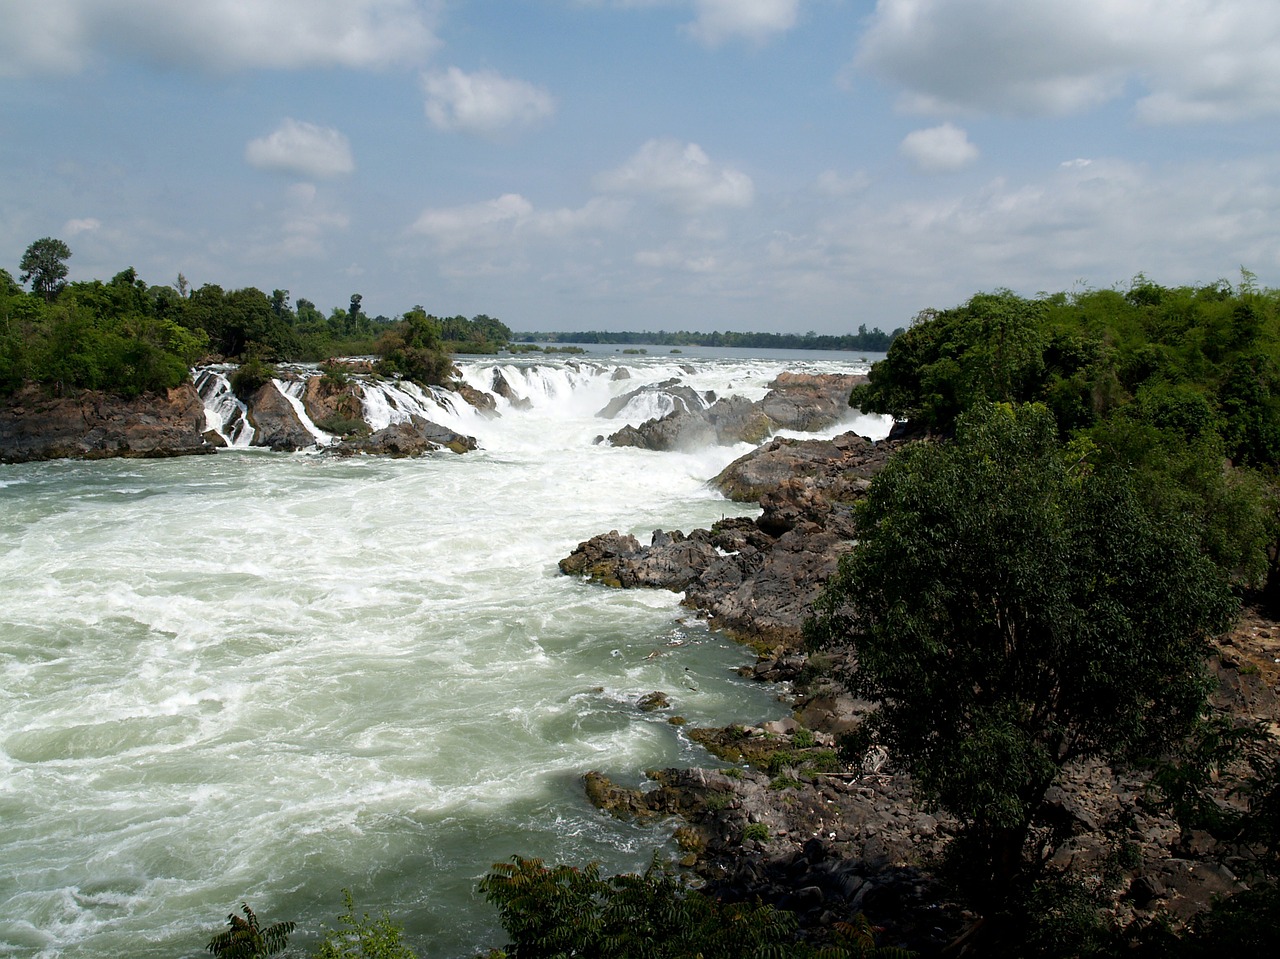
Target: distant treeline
point(867, 341)
point(127, 336)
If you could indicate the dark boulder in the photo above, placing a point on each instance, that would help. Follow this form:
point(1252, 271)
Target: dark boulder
point(275, 421)
point(95, 425)
point(412, 438)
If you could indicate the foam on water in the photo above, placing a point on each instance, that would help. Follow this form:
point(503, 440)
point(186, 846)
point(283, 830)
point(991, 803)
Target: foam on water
point(262, 677)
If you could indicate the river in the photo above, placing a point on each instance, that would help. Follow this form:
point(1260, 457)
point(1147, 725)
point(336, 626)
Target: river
point(270, 677)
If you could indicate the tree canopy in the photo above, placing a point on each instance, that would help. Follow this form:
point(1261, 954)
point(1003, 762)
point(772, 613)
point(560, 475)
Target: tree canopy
point(1013, 609)
point(128, 337)
point(44, 264)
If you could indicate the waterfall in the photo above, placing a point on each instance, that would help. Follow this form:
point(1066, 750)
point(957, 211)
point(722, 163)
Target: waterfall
point(292, 390)
point(224, 413)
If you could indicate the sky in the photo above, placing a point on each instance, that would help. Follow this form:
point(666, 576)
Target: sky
point(761, 165)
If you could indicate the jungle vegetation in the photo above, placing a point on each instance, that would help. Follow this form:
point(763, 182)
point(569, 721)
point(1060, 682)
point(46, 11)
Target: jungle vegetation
point(127, 336)
point(1037, 583)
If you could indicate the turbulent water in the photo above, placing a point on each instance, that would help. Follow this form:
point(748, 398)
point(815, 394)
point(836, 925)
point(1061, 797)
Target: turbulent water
point(269, 677)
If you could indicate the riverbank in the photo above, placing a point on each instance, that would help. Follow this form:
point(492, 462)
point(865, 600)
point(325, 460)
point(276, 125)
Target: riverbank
point(790, 818)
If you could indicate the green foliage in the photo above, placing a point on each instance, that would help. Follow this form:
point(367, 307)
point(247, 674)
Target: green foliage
point(44, 264)
point(1194, 362)
point(990, 349)
point(868, 341)
point(755, 832)
point(246, 939)
point(1189, 784)
point(361, 937)
point(1013, 611)
point(250, 376)
point(561, 911)
point(412, 349)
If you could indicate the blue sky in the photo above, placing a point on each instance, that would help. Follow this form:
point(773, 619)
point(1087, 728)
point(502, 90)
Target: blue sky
point(777, 165)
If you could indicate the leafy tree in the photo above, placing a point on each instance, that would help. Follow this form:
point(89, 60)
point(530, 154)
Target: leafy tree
point(1012, 610)
point(412, 349)
point(363, 937)
point(989, 349)
point(246, 939)
point(44, 264)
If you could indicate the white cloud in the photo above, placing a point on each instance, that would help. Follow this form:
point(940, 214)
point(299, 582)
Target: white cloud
point(680, 176)
point(511, 219)
point(757, 21)
point(1197, 60)
point(64, 36)
point(84, 225)
point(484, 103)
point(1102, 221)
point(718, 21)
point(835, 184)
point(941, 149)
point(302, 149)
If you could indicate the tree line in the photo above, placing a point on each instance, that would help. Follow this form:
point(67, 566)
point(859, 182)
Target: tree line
point(1037, 585)
point(128, 336)
point(866, 341)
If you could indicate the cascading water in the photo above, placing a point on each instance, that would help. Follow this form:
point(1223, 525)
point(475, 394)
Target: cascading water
point(225, 414)
point(267, 678)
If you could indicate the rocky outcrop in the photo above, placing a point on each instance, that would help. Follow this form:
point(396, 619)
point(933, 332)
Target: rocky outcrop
point(482, 401)
point(332, 403)
point(275, 421)
point(809, 401)
point(414, 438)
point(825, 847)
point(96, 425)
point(755, 578)
point(502, 387)
point(798, 401)
point(840, 468)
point(795, 823)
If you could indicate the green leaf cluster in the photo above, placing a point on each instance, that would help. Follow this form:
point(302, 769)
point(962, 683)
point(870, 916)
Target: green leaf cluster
point(1013, 611)
point(868, 341)
point(563, 911)
point(128, 337)
point(1197, 361)
point(246, 938)
point(363, 937)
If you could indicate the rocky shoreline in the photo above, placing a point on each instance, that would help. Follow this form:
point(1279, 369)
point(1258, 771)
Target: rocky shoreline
point(784, 819)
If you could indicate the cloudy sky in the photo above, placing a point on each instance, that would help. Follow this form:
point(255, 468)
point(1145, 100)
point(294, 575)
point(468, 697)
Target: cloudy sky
point(782, 165)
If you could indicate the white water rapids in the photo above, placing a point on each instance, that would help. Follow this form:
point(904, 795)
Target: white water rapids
point(267, 677)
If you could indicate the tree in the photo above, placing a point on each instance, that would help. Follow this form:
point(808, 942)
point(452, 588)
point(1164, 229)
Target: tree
point(412, 349)
point(44, 265)
point(1013, 610)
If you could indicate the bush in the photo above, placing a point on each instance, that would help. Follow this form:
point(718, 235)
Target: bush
point(363, 937)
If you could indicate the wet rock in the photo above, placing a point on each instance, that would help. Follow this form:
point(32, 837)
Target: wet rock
point(413, 438)
point(502, 387)
point(275, 421)
point(809, 401)
point(796, 401)
point(479, 399)
point(652, 702)
point(35, 425)
point(681, 429)
point(332, 403)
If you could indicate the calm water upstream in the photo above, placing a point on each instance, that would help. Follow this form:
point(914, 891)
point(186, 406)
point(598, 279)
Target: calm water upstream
point(269, 677)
